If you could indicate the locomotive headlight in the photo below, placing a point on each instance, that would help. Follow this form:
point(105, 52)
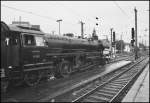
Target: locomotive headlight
point(10, 67)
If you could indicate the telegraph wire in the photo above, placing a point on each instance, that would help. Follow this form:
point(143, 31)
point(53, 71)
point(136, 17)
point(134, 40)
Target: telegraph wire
point(120, 8)
point(69, 9)
point(130, 18)
point(50, 18)
point(46, 17)
point(76, 13)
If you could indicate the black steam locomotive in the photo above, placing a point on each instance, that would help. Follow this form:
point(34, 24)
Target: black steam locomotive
point(28, 54)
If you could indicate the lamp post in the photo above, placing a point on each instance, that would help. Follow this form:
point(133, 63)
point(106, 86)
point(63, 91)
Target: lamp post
point(59, 24)
point(145, 36)
point(111, 40)
point(121, 42)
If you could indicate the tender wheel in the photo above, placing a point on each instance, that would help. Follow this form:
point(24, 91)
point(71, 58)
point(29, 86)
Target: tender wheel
point(47, 75)
point(64, 69)
point(17, 82)
point(102, 62)
point(78, 62)
point(4, 86)
point(32, 78)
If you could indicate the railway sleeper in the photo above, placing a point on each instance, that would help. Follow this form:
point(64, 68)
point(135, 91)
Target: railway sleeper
point(111, 86)
point(108, 92)
point(104, 94)
point(89, 99)
point(120, 82)
point(129, 74)
point(112, 89)
point(124, 78)
point(84, 92)
point(89, 89)
point(120, 85)
point(99, 98)
point(125, 75)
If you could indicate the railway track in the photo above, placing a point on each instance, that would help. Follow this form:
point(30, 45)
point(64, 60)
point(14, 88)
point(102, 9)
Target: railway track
point(117, 59)
point(107, 88)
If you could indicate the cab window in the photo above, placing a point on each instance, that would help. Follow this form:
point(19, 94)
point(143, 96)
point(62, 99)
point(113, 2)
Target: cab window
point(29, 40)
point(39, 41)
point(15, 39)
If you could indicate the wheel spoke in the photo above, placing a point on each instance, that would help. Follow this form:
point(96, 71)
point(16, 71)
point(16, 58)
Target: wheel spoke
point(65, 69)
point(4, 85)
point(32, 78)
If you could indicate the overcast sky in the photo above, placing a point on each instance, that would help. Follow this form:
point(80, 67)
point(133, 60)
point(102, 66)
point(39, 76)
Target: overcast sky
point(112, 14)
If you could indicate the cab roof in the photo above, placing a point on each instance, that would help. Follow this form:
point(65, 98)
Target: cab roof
point(17, 28)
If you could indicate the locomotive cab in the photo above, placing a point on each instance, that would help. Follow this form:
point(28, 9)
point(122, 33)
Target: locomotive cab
point(22, 50)
point(5, 44)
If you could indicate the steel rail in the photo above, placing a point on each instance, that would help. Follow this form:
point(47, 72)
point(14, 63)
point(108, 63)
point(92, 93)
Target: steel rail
point(108, 81)
point(81, 86)
point(129, 82)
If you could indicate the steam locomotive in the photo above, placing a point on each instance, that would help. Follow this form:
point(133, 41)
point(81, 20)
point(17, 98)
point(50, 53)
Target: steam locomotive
point(28, 54)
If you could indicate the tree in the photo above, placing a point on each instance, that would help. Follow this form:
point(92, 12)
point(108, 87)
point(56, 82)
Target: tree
point(119, 44)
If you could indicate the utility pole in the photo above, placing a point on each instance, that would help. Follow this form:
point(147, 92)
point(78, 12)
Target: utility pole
point(59, 24)
point(121, 42)
point(19, 20)
point(145, 40)
point(136, 56)
point(82, 31)
point(114, 43)
point(145, 36)
point(111, 41)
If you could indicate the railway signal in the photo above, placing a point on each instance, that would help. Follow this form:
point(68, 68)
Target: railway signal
point(97, 18)
point(132, 38)
point(132, 33)
point(113, 43)
point(132, 42)
point(113, 36)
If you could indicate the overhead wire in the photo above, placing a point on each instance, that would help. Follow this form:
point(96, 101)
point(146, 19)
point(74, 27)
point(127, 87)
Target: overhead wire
point(50, 18)
point(28, 12)
point(76, 13)
point(78, 16)
point(70, 10)
point(46, 17)
point(121, 9)
point(126, 13)
point(130, 18)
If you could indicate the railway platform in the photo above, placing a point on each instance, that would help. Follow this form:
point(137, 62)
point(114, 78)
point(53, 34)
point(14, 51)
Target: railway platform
point(139, 92)
point(51, 89)
point(106, 69)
